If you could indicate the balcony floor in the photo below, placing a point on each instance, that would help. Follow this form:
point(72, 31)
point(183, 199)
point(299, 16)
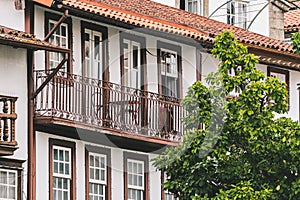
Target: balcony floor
point(102, 135)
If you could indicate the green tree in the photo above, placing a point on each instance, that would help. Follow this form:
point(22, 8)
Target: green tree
point(244, 152)
point(296, 42)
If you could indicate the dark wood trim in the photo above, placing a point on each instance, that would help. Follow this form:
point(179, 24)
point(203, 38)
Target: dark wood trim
point(68, 21)
point(140, 157)
point(72, 146)
point(162, 191)
point(106, 152)
point(287, 77)
point(198, 64)
point(178, 50)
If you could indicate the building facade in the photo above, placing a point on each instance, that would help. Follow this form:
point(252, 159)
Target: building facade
point(101, 97)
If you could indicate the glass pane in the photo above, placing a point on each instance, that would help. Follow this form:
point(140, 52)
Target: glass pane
point(59, 183)
point(55, 150)
point(102, 175)
point(55, 167)
point(92, 173)
point(63, 31)
point(66, 184)
point(67, 171)
point(61, 155)
point(59, 195)
point(97, 161)
point(135, 57)
point(65, 195)
point(3, 191)
point(97, 176)
point(102, 162)
point(54, 195)
point(11, 178)
point(91, 160)
point(61, 168)
point(12, 193)
point(130, 179)
point(67, 156)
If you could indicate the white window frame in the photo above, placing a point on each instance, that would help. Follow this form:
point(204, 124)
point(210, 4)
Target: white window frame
point(167, 195)
point(52, 40)
point(133, 187)
point(129, 71)
point(62, 176)
point(95, 65)
point(99, 183)
point(238, 14)
point(8, 185)
point(173, 73)
point(199, 6)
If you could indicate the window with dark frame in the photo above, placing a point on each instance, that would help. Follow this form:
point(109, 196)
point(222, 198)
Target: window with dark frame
point(98, 173)
point(10, 179)
point(62, 170)
point(169, 72)
point(62, 37)
point(94, 40)
point(136, 176)
point(282, 75)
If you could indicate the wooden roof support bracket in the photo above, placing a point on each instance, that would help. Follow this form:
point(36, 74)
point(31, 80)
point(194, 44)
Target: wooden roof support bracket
point(54, 72)
point(65, 15)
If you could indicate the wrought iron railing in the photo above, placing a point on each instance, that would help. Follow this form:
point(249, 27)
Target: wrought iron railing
point(8, 117)
point(104, 104)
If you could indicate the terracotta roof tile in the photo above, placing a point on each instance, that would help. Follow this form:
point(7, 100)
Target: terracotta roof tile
point(292, 19)
point(22, 39)
point(152, 15)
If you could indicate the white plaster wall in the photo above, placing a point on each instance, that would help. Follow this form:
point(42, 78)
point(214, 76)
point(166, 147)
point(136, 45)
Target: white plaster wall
point(188, 67)
point(13, 82)
point(117, 178)
point(10, 17)
point(260, 24)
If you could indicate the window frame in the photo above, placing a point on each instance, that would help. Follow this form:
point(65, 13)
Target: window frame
point(200, 6)
point(14, 165)
point(68, 21)
point(172, 48)
point(164, 192)
point(100, 151)
point(66, 145)
point(140, 158)
point(104, 32)
point(143, 61)
point(241, 24)
point(271, 69)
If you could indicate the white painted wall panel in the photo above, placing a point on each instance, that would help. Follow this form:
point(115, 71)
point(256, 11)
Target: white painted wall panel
point(10, 17)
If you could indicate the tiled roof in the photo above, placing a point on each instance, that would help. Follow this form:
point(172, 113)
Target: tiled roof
point(17, 38)
point(152, 15)
point(292, 19)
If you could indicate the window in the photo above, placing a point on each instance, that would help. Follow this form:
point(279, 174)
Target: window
point(237, 13)
point(62, 170)
point(132, 61)
point(8, 184)
point(194, 6)
point(93, 47)
point(169, 73)
point(169, 69)
point(136, 176)
point(61, 37)
point(166, 195)
point(10, 179)
point(97, 173)
point(282, 75)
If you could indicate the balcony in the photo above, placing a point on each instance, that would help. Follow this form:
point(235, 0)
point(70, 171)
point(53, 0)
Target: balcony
point(8, 144)
point(72, 100)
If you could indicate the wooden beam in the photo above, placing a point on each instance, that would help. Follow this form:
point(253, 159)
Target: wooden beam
point(50, 76)
point(65, 15)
